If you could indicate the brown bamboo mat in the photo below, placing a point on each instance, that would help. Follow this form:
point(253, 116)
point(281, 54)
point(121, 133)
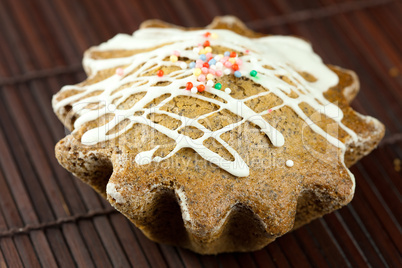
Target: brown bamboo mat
point(48, 218)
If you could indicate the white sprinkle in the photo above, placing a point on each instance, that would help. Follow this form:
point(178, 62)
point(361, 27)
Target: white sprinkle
point(227, 71)
point(194, 90)
point(183, 65)
point(196, 50)
point(217, 57)
point(228, 90)
point(210, 83)
point(213, 67)
point(120, 71)
point(219, 65)
point(289, 163)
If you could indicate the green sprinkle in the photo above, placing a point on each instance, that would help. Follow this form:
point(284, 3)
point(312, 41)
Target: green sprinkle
point(218, 86)
point(253, 73)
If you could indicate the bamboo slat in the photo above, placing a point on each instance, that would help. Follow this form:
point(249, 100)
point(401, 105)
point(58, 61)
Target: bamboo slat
point(50, 219)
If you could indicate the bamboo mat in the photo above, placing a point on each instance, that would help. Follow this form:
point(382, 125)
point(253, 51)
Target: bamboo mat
point(48, 218)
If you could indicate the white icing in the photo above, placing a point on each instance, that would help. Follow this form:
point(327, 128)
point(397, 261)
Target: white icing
point(284, 54)
point(145, 157)
point(183, 204)
point(112, 192)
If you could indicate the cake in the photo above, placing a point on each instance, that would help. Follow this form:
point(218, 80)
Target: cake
point(215, 139)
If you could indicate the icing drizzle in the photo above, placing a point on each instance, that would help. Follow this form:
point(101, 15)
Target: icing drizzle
point(284, 54)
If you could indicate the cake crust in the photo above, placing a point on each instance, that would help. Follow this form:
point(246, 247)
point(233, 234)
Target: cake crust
point(189, 201)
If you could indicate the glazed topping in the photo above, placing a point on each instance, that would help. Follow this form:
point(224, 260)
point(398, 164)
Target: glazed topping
point(197, 70)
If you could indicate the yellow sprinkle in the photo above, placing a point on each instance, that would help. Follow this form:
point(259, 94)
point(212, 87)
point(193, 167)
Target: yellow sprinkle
point(210, 76)
point(173, 58)
point(202, 51)
point(208, 49)
point(197, 71)
point(220, 55)
point(232, 60)
point(214, 36)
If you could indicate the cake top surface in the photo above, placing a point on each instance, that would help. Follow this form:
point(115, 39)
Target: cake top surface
point(168, 63)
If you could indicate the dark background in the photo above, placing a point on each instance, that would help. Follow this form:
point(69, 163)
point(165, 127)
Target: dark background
point(49, 218)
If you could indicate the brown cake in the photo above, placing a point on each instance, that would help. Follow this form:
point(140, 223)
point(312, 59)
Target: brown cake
point(216, 139)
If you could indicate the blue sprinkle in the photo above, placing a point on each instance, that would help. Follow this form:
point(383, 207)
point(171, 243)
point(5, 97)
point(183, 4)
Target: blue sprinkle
point(226, 54)
point(237, 74)
point(203, 57)
point(192, 64)
point(212, 62)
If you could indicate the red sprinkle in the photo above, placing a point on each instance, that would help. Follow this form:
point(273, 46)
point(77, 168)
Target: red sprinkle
point(189, 85)
point(201, 88)
point(235, 67)
point(160, 73)
point(207, 34)
point(206, 44)
point(232, 54)
point(206, 65)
